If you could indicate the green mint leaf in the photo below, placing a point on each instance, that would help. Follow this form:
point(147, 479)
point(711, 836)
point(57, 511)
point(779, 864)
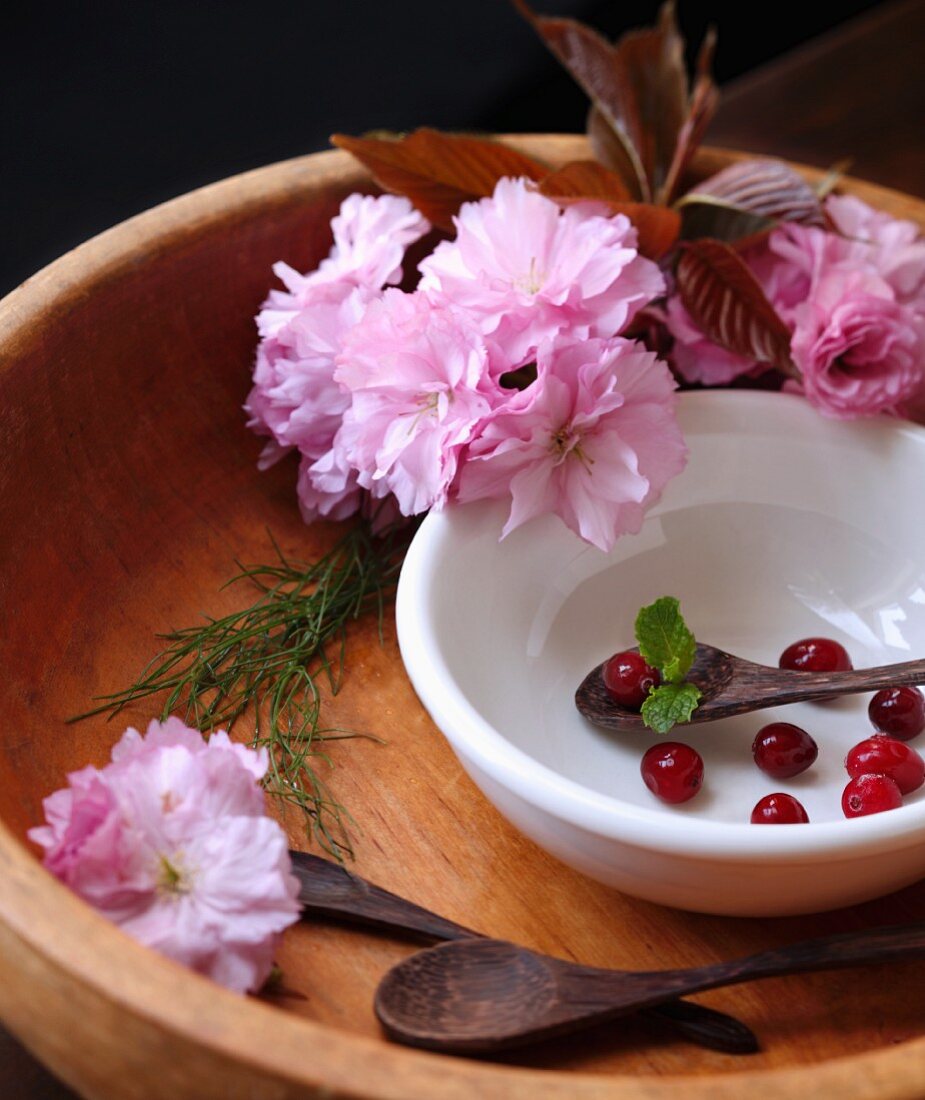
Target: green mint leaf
point(669, 704)
point(664, 639)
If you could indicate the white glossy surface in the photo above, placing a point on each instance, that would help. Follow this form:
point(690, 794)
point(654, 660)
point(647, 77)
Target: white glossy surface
point(783, 525)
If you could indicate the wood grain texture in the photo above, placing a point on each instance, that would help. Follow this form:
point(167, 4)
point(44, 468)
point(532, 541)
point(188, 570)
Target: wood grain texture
point(128, 485)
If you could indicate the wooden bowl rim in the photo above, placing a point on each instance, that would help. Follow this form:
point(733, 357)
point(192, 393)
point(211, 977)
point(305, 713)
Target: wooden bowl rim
point(293, 1051)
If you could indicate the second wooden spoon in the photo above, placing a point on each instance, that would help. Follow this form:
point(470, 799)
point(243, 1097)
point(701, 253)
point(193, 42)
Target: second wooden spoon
point(482, 996)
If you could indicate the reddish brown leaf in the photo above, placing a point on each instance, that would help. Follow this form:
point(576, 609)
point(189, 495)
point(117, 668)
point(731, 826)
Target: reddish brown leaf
point(612, 151)
point(767, 188)
point(657, 226)
point(585, 179)
point(642, 123)
point(703, 104)
point(650, 63)
point(438, 172)
point(704, 216)
point(726, 301)
point(590, 59)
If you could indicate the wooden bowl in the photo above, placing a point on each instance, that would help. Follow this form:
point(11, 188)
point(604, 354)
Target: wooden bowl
point(128, 486)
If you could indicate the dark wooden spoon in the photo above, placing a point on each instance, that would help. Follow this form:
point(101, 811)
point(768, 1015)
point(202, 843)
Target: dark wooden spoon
point(731, 685)
point(481, 996)
point(329, 890)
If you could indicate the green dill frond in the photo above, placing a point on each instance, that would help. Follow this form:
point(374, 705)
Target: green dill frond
point(265, 661)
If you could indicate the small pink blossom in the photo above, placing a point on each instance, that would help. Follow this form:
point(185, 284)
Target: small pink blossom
point(858, 350)
point(893, 247)
point(529, 271)
point(418, 376)
point(295, 399)
point(796, 258)
point(371, 234)
point(171, 842)
point(327, 487)
point(594, 439)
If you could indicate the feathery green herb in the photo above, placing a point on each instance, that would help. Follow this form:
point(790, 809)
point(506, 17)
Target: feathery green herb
point(268, 660)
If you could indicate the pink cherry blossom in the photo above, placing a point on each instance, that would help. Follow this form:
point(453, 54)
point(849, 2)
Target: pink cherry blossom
point(371, 234)
point(417, 372)
point(294, 398)
point(530, 271)
point(893, 247)
point(796, 258)
point(327, 487)
point(170, 841)
point(858, 350)
point(594, 439)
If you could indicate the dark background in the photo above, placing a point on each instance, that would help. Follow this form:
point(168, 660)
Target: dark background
point(109, 107)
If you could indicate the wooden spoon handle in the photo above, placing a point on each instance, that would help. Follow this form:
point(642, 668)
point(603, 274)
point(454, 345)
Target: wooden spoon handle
point(790, 686)
point(329, 890)
point(832, 952)
point(638, 989)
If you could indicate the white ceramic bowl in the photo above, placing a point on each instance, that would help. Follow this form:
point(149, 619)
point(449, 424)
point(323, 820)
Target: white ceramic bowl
point(783, 525)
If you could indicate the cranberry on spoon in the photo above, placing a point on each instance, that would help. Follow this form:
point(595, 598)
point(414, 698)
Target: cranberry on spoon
point(628, 678)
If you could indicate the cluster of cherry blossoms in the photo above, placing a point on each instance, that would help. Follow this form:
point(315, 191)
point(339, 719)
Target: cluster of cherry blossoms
point(171, 841)
point(852, 296)
point(398, 401)
point(504, 373)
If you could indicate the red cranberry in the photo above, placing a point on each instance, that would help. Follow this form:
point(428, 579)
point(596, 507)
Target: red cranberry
point(816, 655)
point(887, 756)
point(870, 794)
point(628, 678)
point(779, 809)
point(900, 712)
point(672, 771)
point(782, 750)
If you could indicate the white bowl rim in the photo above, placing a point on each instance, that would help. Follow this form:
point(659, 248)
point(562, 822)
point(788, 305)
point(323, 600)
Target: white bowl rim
point(475, 739)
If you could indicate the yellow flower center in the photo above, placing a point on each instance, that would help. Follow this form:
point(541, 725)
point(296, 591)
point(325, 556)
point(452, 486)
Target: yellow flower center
point(532, 282)
point(567, 442)
point(428, 406)
point(170, 879)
